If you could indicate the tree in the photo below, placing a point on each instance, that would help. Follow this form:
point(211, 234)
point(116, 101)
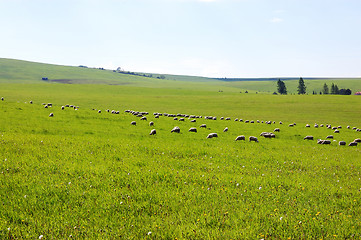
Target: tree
point(325, 89)
point(345, 91)
point(334, 89)
point(301, 89)
point(281, 87)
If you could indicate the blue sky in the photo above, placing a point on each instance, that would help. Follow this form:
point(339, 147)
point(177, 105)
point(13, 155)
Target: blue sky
point(213, 38)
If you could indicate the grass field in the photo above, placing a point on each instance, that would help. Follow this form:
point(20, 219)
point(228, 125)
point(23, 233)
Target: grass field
point(88, 175)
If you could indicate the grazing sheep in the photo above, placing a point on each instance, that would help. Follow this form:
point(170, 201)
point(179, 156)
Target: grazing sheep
point(176, 129)
point(99, 111)
point(50, 104)
point(51, 115)
point(316, 125)
point(153, 132)
point(352, 144)
point(319, 141)
point(329, 136)
point(348, 127)
point(281, 123)
point(31, 102)
point(214, 118)
point(181, 120)
point(252, 138)
point(291, 125)
point(336, 131)
point(175, 119)
point(247, 121)
point(263, 133)
point(308, 125)
point(241, 120)
point(133, 123)
point(258, 121)
point(269, 135)
point(342, 143)
point(252, 121)
point(321, 125)
point(203, 126)
point(193, 120)
point(240, 138)
point(62, 107)
point(334, 128)
point(277, 130)
point(226, 129)
point(357, 140)
point(227, 119)
point(236, 119)
point(192, 129)
point(2, 98)
point(212, 135)
point(144, 118)
point(308, 138)
point(156, 116)
point(151, 124)
point(339, 127)
point(221, 118)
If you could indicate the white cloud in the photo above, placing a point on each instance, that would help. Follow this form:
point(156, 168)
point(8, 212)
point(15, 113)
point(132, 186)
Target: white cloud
point(276, 20)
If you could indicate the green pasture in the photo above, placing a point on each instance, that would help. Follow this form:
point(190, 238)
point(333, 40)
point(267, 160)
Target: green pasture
point(88, 175)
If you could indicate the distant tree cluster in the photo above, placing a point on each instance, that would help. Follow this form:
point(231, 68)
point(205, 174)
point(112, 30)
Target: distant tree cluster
point(335, 90)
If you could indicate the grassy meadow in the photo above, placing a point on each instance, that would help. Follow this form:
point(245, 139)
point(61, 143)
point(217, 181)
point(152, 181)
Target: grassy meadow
point(88, 175)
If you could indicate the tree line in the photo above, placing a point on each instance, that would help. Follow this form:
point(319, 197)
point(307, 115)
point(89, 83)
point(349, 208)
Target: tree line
point(301, 89)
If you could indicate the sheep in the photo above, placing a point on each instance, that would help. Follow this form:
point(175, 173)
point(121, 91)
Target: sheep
point(99, 111)
point(221, 118)
point(291, 125)
point(342, 143)
point(329, 136)
point(2, 98)
point(227, 119)
point(308, 138)
point(31, 102)
point(316, 125)
point(50, 104)
point(252, 138)
point(348, 127)
point(319, 141)
point(193, 120)
point(51, 115)
point(153, 132)
point(281, 123)
point(62, 107)
point(334, 128)
point(144, 119)
point(67, 105)
point(214, 118)
point(240, 138)
point(247, 121)
point(192, 129)
point(336, 131)
point(358, 140)
point(236, 119)
point(156, 116)
point(226, 129)
point(277, 130)
point(176, 129)
point(212, 135)
point(321, 125)
point(151, 123)
point(175, 119)
point(263, 133)
point(352, 144)
point(203, 126)
point(354, 128)
point(339, 127)
point(252, 121)
point(241, 120)
point(308, 125)
point(181, 120)
point(258, 121)
point(269, 135)
point(133, 123)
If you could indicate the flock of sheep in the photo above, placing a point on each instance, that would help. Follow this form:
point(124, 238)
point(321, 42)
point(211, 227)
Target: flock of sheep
point(192, 118)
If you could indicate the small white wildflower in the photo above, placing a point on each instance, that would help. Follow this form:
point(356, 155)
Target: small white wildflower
point(25, 196)
point(69, 183)
point(281, 218)
point(237, 184)
point(260, 188)
point(41, 236)
point(121, 202)
point(149, 233)
point(9, 228)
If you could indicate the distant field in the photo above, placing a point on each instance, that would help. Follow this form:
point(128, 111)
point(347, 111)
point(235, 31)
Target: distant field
point(17, 71)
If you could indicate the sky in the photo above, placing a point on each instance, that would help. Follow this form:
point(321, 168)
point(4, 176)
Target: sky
point(211, 38)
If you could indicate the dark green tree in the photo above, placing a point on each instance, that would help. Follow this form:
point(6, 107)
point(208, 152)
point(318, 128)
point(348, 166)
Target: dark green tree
point(301, 89)
point(333, 90)
point(281, 87)
point(325, 89)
